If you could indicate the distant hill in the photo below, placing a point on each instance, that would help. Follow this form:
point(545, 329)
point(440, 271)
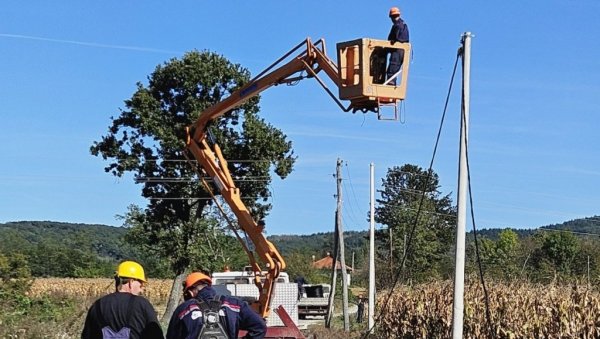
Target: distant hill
point(355, 240)
point(586, 225)
point(60, 249)
point(105, 245)
point(318, 243)
point(492, 233)
point(106, 241)
point(589, 225)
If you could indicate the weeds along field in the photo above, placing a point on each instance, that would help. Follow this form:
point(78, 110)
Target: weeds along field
point(518, 310)
point(57, 307)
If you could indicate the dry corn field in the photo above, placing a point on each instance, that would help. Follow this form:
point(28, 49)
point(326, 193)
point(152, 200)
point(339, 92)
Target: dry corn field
point(519, 310)
point(157, 291)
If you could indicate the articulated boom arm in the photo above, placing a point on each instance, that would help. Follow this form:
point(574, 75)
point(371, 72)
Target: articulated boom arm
point(212, 162)
point(312, 60)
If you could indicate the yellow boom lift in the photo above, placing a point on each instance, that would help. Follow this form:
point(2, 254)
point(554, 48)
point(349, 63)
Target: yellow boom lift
point(360, 77)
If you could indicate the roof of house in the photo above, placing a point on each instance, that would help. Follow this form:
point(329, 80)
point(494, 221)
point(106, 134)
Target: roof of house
point(327, 263)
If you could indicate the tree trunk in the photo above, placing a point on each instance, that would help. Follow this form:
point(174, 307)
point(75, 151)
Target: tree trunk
point(174, 298)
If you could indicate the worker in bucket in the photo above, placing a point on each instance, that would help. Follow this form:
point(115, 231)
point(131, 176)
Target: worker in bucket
point(398, 33)
point(205, 314)
point(124, 313)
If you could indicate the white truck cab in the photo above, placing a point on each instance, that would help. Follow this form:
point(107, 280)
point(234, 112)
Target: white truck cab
point(242, 277)
point(314, 300)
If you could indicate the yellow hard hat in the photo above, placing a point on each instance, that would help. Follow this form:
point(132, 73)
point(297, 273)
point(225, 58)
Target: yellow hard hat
point(394, 11)
point(195, 278)
point(131, 269)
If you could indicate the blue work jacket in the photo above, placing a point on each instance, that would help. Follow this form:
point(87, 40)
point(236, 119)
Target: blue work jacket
point(235, 314)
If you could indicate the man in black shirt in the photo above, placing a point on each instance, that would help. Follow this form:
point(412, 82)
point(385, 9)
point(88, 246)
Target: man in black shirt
point(123, 312)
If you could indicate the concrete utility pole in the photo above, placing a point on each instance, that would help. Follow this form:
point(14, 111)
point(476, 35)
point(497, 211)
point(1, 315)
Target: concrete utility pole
point(372, 250)
point(588, 271)
point(391, 269)
point(459, 275)
point(404, 249)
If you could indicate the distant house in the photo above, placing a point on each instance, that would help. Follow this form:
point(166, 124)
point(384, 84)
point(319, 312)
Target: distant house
point(326, 263)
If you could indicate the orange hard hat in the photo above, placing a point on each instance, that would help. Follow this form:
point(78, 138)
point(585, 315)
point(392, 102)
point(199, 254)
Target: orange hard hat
point(195, 278)
point(394, 11)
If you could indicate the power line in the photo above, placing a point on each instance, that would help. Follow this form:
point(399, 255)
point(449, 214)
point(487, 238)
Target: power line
point(351, 212)
point(382, 311)
point(203, 198)
point(411, 173)
point(90, 44)
point(346, 223)
point(422, 211)
point(351, 185)
point(189, 179)
point(193, 160)
point(350, 216)
point(414, 191)
point(488, 317)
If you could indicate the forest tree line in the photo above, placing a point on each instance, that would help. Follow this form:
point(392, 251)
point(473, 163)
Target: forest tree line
point(55, 249)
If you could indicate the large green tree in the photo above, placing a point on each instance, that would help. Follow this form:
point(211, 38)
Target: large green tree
point(407, 192)
point(501, 257)
point(148, 139)
point(555, 257)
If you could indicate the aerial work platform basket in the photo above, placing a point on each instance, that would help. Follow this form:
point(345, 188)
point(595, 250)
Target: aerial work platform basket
point(362, 72)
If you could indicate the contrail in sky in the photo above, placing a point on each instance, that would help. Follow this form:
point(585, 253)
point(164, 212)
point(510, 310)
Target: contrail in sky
point(90, 44)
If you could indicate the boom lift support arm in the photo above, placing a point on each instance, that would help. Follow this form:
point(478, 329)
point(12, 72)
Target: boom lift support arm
point(312, 60)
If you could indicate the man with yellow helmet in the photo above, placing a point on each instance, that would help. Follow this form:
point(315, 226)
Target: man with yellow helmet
point(124, 313)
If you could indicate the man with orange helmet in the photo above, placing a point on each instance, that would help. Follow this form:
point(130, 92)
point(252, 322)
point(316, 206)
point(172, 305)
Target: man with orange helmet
point(124, 313)
point(398, 33)
point(193, 317)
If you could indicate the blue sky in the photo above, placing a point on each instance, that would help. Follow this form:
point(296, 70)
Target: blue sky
point(67, 66)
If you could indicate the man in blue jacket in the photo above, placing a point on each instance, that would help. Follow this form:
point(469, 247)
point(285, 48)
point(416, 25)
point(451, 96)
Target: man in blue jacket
point(398, 33)
point(193, 316)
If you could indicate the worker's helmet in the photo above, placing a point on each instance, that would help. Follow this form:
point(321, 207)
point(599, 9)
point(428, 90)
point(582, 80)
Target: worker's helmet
point(131, 269)
point(195, 278)
point(394, 11)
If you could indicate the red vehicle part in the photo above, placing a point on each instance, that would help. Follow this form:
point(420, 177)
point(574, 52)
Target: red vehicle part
point(288, 331)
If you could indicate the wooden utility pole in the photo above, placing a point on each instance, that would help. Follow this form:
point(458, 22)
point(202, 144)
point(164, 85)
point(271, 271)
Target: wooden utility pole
point(340, 228)
point(330, 306)
point(339, 251)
